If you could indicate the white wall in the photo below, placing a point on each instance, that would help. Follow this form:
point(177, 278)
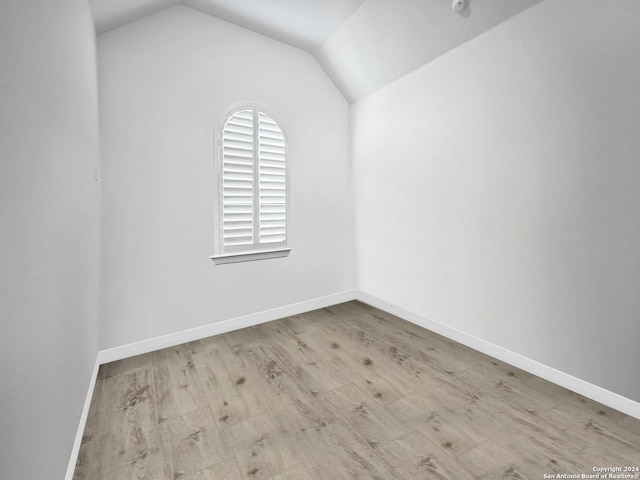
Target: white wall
point(164, 83)
point(48, 231)
point(384, 40)
point(497, 189)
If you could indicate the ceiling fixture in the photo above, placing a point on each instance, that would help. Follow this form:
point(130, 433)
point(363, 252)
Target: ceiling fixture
point(460, 6)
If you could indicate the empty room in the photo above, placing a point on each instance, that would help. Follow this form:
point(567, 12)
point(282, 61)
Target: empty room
point(319, 239)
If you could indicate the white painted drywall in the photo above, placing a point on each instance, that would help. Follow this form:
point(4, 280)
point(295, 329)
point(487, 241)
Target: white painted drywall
point(48, 231)
point(164, 83)
point(497, 189)
point(110, 14)
point(383, 40)
point(304, 25)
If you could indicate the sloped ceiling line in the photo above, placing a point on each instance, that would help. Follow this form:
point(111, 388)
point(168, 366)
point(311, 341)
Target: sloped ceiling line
point(363, 45)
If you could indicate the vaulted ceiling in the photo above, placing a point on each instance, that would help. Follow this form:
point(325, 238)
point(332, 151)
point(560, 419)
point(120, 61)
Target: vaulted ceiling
point(363, 45)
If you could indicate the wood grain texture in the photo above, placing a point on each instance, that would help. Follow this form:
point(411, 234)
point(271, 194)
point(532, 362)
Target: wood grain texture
point(345, 392)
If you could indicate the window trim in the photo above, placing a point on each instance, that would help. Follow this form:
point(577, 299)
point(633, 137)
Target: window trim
point(255, 251)
point(249, 256)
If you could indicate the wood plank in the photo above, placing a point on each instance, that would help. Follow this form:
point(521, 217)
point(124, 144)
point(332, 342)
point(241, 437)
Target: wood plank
point(194, 441)
point(179, 389)
point(344, 392)
point(129, 439)
point(371, 420)
point(596, 431)
point(225, 375)
point(91, 446)
point(445, 422)
point(297, 472)
point(417, 456)
point(260, 448)
point(226, 469)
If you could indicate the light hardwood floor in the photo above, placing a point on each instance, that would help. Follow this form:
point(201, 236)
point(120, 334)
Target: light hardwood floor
point(340, 393)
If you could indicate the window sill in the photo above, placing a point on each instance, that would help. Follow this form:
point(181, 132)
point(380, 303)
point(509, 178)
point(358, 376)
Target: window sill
point(249, 256)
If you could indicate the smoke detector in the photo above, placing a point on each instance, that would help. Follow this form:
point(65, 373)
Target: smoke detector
point(460, 6)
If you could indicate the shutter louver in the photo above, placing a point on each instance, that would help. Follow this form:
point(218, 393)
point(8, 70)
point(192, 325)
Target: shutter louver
point(237, 179)
point(272, 181)
point(253, 189)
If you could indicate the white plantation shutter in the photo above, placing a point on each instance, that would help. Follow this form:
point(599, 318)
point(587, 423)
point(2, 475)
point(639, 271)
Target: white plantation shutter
point(253, 182)
point(237, 179)
point(272, 177)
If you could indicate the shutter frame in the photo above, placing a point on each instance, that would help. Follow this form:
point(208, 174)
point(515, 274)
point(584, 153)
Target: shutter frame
point(270, 183)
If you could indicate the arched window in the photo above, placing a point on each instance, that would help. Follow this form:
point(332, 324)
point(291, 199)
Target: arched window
point(253, 190)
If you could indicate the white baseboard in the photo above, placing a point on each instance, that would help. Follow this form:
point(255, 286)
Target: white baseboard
point(83, 421)
point(589, 390)
point(177, 338)
point(565, 380)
